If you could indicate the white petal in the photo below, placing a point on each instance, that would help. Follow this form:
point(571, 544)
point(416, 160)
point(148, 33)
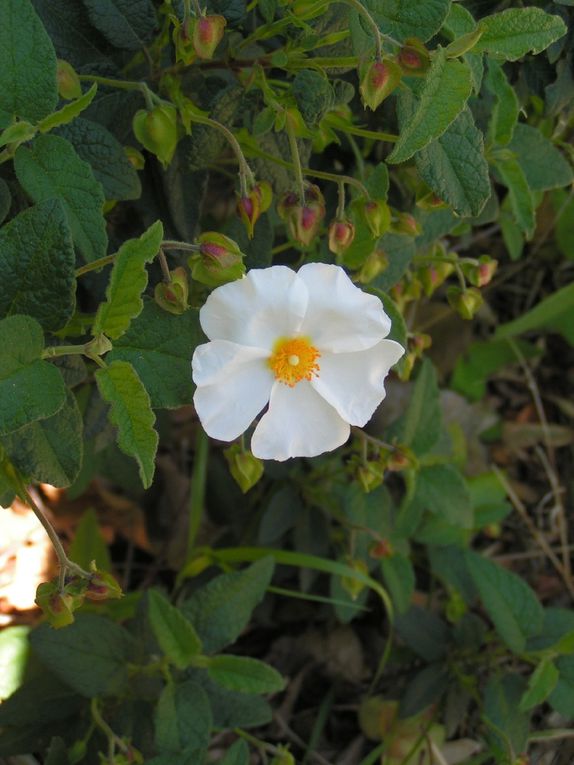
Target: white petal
point(353, 383)
point(340, 317)
point(299, 423)
point(266, 304)
point(233, 385)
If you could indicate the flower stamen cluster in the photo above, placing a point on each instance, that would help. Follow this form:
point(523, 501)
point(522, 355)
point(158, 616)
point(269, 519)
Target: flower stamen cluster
point(293, 360)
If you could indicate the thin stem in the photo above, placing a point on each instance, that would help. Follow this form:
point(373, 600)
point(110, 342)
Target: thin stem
point(295, 159)
point(197, 489)
point(170, 244)
point(362, 11)
point(65, 563)
point(376, 441)
point(112, 737)
point(149, 95)
point(95, 265)
point(246, 177)
point(164, 267)
point(341, 205)
point(53, 351)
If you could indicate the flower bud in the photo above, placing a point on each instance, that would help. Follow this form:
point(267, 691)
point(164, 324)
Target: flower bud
point(406, 366)
point(183, 42)
point(245, 468)
point(103, 586)
point(381, 549)
point(69, 86)
point(352, 586)
point(341, 235)
point(378, 80)
point(303, 220)
point(465, 302)
point(207, 34)
point(400, 459)
point(77, 752)
point(377, 215)
point(405, 223)
point(220, 260)
point(135, 157)
point(430, 201)
point(370, 475)
point(58, 604)
point(413, 57)
point(432, 276)
point(480, 275)
point(283, 757)
point(156, 130)
point(420, 343)
point(252, 206)
point(172, 296)
point(375, 264)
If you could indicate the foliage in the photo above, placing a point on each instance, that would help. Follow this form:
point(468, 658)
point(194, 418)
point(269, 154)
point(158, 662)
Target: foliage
point(427, 149)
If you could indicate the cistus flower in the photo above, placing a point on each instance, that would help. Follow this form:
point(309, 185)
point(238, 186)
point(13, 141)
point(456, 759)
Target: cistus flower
point(309, 344)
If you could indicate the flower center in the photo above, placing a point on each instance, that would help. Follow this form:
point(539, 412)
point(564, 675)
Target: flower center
point(294, 359)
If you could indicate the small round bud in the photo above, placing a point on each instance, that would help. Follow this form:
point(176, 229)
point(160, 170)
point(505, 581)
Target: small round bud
point(157, 131)
point(341, 236)
point(378, 80)
point(207, 34)
point(69, 86)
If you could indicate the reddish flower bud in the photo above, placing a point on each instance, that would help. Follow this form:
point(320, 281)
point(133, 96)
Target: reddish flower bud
point(220, 260)
point(103, 586)
point(405, 223)
point(157, 131)
point(207, 34)
point(480, 275)
point(341, 235)
point(381, 549)
point(465, 302)
point(303, 220)
point(413, 57)
point(173, 296)
point(377, 216)
point(252, 206)
point(378, 80)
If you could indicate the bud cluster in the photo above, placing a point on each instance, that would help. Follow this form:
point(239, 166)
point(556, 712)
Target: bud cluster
point(303, 217)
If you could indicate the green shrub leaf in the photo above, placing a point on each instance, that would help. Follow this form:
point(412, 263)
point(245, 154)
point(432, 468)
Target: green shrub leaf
point(246, 675)
point(540, 685)
point(506, 109)
point(519, 193)
point(183, 718)
point(131, 413)
point(543, 164)
point(442, 97)
point(37, 262)
point(175, 634)
point(554, 312)
point(30, 389)
point(128, 280)
point(88, 544)
point(419, 427)
point(509, 601)
point(400, 19)
point(515, 32)
point(124, 23)
point(52, 169)
point(68, 112)
point(27, 63)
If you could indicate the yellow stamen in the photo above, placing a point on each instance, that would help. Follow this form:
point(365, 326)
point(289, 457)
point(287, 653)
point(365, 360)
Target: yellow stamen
point(294, 359)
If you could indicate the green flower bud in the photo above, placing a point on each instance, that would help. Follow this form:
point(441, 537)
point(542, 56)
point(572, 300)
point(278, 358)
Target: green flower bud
point(69, 86)
point(405, 223)
point(103, 586)
point(465, 302)
point(157, 131)
point(283, 757)
point(183, 42)
point(413, 57)
point(374, 265)
point(58, 605)
point(173, 296)
point(377, 717)
point(220, 260)
point(378, 80)
point(370, 475)
point(135, 157)
point(377, 215)
point(244, 467)
point(354, 587)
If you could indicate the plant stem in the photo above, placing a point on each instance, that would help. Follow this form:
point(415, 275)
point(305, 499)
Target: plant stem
point(170, 244)
point(197, 489)
point(362, 11)
point(112, 737)
point(341, 204)
point(296, 160)
point(95, 265)
point(164, 266)
point(246, 177)
point(147, 93)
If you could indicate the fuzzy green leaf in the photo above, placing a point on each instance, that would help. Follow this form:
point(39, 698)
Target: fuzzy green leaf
point(399, 19)
point(106, 156)
point(506, 109)
point(519, 193)
point(543, 164)
point(49, 450)
point(30, 389)
point(159, 346)
point(419, 427)
point(128, 280)
point(131, 413)
point(50, 169)
point(442, 97)
point(37, 264)
point(540, 685)
point(442, 490)
point(515, 32)
point(89, 545)
point(455, 168)
point(182, 718)
point(27, 63)
point(509, 601)
point(68, 112)
point(555, 312)
point(127, 24)
point(175, 634)
point(243, 674)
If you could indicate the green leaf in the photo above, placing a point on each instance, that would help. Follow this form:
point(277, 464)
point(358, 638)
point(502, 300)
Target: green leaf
point(89, 545)
point(106, 156)
point(159, 346)
point(501, 710)
point(562, 697)
point(30, 389)
point(543, 164)
point(127, 24)
point(231, 709)
point(455, 168)
point(400, 19)
point(313, 94)
point(442, 490)
point(57, 754)
point(442, 97)
point(237, 754)
point(515, 32)
point(222, 609)
point(50, 450)
point(5, 199)
point(27, 63)
point(555, 312)
point(504, 116)
point(13, 656)
point(426, 688)
point(540, 685)
point(131, 413)
point(557, 632)
point(175, 634)
point(52, 169)
point(182, 718)
point(509, 601)
point(91, 655)
point(377, 183)
point(37, 262)
point(128, 280)
point(243, 674)
point(419, 427)
point(563, 204)
point(424, 632)
point(519, 193)
point(68, 112)
point(399, 578)
point(400, 250)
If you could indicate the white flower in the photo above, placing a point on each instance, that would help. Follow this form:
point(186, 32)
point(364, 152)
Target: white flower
point(310, 344)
